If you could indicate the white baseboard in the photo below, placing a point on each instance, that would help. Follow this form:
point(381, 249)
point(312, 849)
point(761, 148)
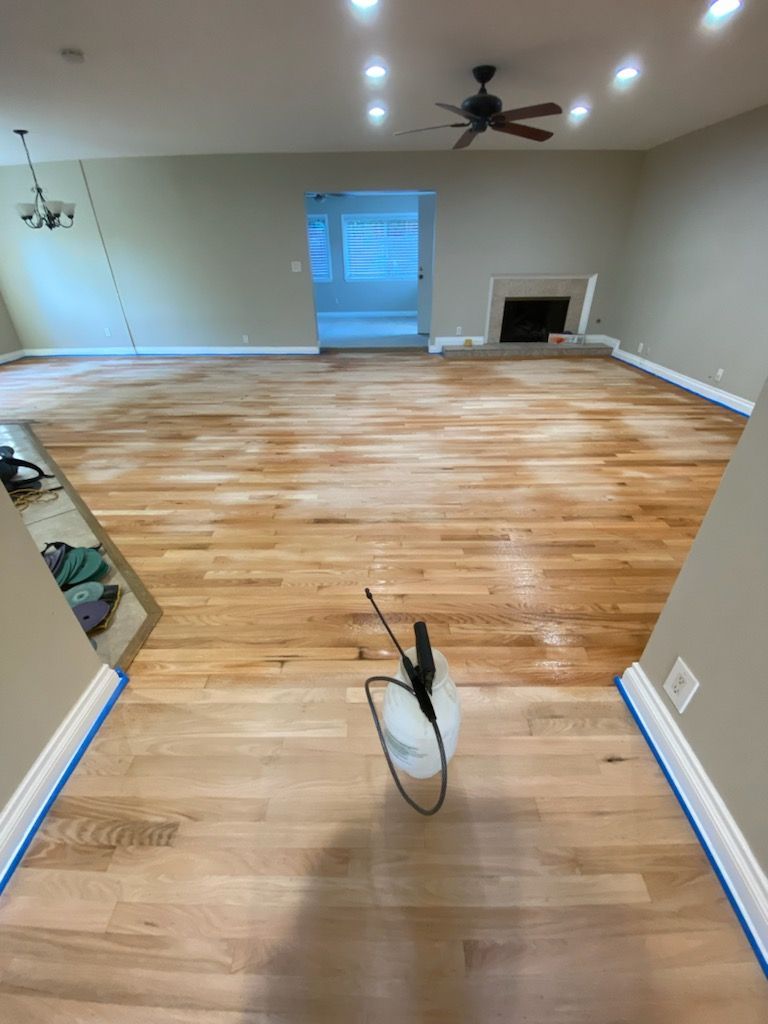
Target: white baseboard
point(21, 816)
point(698, 387)
point(457, 341)
point(180, 350)
point(742, 877)
point(100, 350)
point(11, 357)
point(229, 350)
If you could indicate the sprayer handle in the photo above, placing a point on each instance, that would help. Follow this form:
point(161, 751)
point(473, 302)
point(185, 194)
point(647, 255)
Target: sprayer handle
point(424, 658)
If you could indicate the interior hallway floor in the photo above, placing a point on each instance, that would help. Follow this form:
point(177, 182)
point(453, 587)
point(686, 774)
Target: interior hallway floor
point(362, 331)
point(231, 849)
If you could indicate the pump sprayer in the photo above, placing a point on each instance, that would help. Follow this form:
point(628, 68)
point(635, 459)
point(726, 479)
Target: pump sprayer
point(426, 712)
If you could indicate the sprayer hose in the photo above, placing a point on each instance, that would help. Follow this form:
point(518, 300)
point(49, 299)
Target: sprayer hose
point(427, 811)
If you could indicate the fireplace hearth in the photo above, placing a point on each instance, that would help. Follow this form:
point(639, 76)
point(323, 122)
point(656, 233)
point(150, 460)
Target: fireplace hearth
point(533, 319)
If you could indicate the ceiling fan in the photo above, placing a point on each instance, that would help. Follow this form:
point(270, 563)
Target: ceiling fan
point(482, 111)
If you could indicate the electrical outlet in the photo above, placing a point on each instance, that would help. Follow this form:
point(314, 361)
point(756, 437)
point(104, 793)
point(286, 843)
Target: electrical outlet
point(296, 266)
point(107, 332)
point(680, 685)
point(640, 348)
point(459, 331)
point(719, 374)
point(246, 339)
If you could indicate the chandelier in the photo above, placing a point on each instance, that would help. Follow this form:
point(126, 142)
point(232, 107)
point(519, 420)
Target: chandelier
point(42, 211)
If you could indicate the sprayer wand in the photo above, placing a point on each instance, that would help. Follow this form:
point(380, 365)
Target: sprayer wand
point(421, 677)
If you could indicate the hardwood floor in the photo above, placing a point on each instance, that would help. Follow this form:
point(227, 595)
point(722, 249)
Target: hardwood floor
point(230, 850)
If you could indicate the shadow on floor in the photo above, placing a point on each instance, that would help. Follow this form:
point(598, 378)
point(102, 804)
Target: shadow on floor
point(438, 922)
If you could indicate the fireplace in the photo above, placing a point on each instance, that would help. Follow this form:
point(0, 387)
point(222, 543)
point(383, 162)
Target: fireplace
point(571, 294)
point(533, 319)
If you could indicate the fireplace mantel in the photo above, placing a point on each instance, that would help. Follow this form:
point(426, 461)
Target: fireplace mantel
point(579, 289)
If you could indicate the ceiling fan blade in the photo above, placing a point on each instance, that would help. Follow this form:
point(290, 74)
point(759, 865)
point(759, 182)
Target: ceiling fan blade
point(525, 131)
point(523, 113)
point(464, 140)
point(453, 110)
point(432, 128)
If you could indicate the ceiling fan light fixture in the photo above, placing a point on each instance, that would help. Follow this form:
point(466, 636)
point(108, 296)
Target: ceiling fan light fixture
point(579, 112)
point(483, 111)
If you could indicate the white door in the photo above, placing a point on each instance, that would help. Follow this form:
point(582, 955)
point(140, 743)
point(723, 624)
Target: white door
point(426, 260)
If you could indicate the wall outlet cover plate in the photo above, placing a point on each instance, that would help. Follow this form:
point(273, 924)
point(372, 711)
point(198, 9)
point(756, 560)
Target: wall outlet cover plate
point(680, 685)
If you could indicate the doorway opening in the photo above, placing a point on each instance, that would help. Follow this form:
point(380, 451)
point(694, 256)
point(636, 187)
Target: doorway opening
point(371, 255)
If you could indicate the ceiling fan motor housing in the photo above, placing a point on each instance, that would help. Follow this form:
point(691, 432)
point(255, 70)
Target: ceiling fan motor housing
point(482, 106)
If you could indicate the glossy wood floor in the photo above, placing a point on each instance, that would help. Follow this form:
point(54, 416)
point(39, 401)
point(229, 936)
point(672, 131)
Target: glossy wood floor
point(231, 851)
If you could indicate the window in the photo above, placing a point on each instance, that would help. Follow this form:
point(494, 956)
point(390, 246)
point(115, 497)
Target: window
point(380, 247)
point(319, 249)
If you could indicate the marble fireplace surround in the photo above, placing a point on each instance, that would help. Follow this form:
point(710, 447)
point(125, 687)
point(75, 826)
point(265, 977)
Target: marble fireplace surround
point(579, 289)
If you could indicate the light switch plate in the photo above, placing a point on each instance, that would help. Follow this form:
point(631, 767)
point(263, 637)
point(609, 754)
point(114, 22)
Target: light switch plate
point(680, 685)
point(296, 266)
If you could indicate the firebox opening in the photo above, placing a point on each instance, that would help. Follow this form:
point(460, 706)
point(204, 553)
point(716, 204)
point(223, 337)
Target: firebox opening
point(533, 320)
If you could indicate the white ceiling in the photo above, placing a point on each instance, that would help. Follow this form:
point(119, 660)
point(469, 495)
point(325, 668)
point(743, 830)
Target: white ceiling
point(223, 76)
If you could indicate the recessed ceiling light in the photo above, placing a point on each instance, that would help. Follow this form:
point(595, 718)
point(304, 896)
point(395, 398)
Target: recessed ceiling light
point(579, 111)
point(627, 73)
point(722, 9)
point(364, 4)
point(377, 112)
point(376, 72)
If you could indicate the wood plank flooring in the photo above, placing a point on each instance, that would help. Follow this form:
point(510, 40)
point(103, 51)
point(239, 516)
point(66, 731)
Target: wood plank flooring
point(230, 850)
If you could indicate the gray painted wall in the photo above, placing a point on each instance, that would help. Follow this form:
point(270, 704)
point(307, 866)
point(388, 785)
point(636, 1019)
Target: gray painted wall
point(341, 296)
point(47, 660)
point(716, 619)
point(56, 284)
point(201, 246)
point(9, 339)
point(695, 269)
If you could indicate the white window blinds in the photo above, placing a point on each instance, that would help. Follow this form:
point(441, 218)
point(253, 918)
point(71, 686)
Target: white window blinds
point(319, 248)
point(380, 247)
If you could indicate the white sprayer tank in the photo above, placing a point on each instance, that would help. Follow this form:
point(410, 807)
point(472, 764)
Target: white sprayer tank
point(409, 735)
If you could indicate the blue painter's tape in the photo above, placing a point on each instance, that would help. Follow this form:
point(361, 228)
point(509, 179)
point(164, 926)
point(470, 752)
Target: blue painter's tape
point(712, 401)
point(121, 684)
point(691, 820)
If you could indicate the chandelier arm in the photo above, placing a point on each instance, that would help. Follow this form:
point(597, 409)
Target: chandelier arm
point(40, 207)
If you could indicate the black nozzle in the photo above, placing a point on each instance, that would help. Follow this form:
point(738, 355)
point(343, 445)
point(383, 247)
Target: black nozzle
point(422, 674)
point(424, 657)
